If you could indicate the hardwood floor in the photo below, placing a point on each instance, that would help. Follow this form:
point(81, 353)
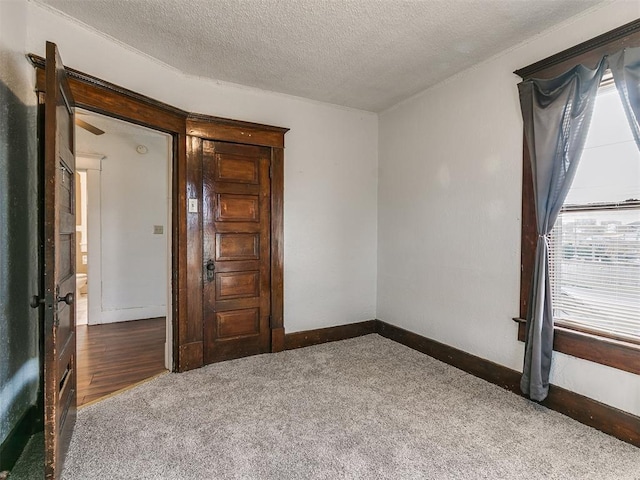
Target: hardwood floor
point(117, 355)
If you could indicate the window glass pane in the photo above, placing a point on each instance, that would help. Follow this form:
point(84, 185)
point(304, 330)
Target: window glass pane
point(595, 270)
point(609, 170)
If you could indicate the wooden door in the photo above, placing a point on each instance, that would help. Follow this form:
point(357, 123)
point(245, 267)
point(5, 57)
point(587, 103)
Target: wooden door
point(59, 265)
point(236, 250)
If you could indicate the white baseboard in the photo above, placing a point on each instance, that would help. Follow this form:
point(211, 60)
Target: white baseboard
point(128, 314)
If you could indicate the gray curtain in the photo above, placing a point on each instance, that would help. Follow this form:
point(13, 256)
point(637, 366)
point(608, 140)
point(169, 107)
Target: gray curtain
point(625, 66)
point(556, 114)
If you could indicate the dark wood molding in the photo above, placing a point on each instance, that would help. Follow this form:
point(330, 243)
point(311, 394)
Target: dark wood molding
point(191, 331)
point(606, 351)
point(238, 123)
point(103, 97)
point(38, 62)
point(277, 250)
point(181, 354)
point(13, 446)
point(200, 125)
point(612, 421)
point(605, 418)
point(226, 130)
point(529, 232)
point(308, 338)
point(277, 339)
point(190, 356)
point(612, 40)
point(477, 366)
point(522, 328)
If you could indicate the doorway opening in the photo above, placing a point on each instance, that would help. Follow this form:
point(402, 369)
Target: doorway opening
point(123, 254)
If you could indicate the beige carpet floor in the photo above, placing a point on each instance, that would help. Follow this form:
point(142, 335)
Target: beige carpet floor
point(365, 408)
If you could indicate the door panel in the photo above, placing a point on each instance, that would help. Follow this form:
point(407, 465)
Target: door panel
point(237, 285)
point(237, 208)
point(237, 169)
point(236, 240)
point(237, 246)
point(59, 265)
point(238, 322)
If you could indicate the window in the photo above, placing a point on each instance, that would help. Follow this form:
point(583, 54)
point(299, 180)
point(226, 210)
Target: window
point(594, 264)
point(594, 252)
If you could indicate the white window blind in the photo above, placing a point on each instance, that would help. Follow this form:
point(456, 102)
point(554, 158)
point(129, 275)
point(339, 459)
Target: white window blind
point(595, 271)
point(594, 264)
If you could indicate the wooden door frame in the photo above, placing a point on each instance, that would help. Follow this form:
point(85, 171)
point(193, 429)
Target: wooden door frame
point(94, 94)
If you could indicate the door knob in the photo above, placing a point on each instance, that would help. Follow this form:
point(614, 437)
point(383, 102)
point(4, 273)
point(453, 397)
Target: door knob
point(211, 269)
point(36, 301)
point(68, 298)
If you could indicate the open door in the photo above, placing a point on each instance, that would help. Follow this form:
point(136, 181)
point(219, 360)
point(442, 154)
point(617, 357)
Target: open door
point(59, 264)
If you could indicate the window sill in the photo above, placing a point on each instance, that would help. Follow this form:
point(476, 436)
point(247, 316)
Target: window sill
point(613, 353)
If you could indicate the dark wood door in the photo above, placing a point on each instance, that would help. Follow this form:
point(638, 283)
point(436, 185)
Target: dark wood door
point(59, 265)
point(236, 250)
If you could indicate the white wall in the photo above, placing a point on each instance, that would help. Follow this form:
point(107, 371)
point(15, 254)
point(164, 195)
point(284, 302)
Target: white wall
point(330, 169)
point(16, 73)
point(449, 204)
point(19, 345)
point(133, 197)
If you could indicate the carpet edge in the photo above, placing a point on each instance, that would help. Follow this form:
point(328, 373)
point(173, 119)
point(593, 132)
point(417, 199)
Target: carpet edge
point(610, 420)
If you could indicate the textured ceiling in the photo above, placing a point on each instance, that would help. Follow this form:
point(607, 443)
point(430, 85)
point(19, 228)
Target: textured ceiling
point(129, 132)
point(367, 54)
